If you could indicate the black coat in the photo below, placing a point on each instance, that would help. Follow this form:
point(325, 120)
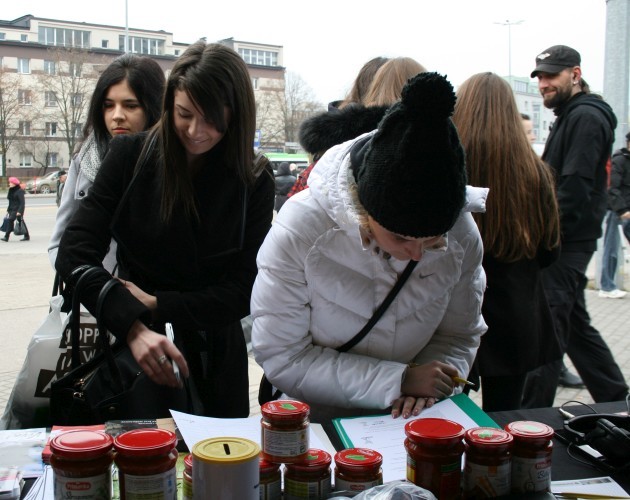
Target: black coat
point(619, 190)
point(284, 183)
point(520, 334)
point(201, 272)
point(16, 205)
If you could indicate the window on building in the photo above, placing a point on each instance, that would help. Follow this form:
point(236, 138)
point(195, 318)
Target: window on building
point(24, 97)
point(23, 38)
point(139, 45)
point(50, 98)
point(77, 99)
point(255, 83)
point(52, 159)
point(24, 66)
point(50, 67)
point(77, 129)
point(176, 52)
point(75, 69)
point(51, 129)
point(520, 86)
point(259, 57)
point(24, 128)
point(104, 44)
point(2, 35)
point(61, 37)
point(26, 159)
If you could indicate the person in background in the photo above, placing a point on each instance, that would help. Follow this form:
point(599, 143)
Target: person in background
point(284, 182)
point(618, 213)
point(15, 209)
point(311, 129)
point(61, 182)
point(374, 205)
point(528, 126)
point(521, 233)
point(127, 99)
point(189, 205)
point(577, 149)
point(321, 132)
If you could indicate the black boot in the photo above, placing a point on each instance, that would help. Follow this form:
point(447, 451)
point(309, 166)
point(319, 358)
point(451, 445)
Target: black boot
point(6, 238)
point(568, 379)
point(26, 238)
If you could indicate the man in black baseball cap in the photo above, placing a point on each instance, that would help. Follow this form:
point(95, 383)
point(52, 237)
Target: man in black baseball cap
point(577, 149)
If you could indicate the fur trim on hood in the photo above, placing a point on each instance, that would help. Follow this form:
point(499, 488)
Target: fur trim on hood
point(323, 131)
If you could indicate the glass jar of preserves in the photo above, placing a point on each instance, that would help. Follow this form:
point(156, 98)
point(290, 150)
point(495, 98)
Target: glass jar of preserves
point(434, 456)
point(270, 481)
point(488, 462)
point(358, 469)
point(284, 431)
point(309, 479)
point(187, 482)
point(146, 461)
point(82, 465)
point(531, 456)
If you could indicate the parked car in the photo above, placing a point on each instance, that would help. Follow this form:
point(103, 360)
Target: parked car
point(45, 184)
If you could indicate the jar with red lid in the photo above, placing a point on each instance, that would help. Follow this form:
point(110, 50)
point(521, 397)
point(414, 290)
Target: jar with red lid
point(270, 481)
point(309, 479)
point(82, 465)
point(531, 456)
point(358, 469)
point(284, 431)
point(146, 461)
point(434, 456)
point(488, 462)
point(187, 482)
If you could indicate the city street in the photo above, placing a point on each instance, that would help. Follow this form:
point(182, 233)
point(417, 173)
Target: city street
point(27, 280)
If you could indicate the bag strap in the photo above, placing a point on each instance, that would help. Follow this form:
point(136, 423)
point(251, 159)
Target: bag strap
point(381, 309)
point(103, 337)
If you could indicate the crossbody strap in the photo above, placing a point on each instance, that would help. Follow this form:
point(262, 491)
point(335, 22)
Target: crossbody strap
point(381, 309)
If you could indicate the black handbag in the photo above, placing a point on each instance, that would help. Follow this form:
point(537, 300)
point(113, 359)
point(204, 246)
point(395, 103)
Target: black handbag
point(267, 392)
point(19, 228)
point(5, 224)
point(110, 386)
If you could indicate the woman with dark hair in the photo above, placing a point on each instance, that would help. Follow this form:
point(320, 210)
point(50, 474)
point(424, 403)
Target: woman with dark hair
point(520, 232)
point(189, 205)
point(127, 99)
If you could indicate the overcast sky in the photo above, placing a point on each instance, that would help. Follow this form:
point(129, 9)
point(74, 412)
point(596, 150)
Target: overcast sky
point(326, 42)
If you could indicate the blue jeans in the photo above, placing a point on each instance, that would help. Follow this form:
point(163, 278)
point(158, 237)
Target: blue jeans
point(610, 256)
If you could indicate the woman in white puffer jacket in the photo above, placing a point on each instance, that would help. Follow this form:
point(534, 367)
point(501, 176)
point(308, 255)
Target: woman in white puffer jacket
point(336, 250)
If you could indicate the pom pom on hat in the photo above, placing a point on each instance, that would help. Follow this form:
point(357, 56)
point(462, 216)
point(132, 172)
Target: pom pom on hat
point(412, 178)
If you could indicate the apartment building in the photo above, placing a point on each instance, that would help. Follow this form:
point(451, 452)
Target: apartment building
point(48, 70)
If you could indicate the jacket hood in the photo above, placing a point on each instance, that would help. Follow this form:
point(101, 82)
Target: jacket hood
point(283, 169)
point(591, 100)
point(323, 131)
point(622, 152)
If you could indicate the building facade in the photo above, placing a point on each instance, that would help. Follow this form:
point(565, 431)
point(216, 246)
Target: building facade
point(48, 70)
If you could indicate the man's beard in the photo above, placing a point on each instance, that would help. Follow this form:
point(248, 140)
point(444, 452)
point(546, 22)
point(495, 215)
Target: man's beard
point(561, 96)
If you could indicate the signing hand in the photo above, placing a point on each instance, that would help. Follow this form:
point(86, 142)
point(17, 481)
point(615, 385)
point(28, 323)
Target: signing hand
point(434, 379)
point(153, 351)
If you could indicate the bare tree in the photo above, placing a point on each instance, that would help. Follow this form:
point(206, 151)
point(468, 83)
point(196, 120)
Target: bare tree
point(10, 113)
point(69, 88)
point(297, 105)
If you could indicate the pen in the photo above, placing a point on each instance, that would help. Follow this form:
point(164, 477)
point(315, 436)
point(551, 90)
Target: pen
point(171, 336)
point(463, 381)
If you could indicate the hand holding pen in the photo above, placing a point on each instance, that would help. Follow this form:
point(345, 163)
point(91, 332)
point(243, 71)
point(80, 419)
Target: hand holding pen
point(171, 336)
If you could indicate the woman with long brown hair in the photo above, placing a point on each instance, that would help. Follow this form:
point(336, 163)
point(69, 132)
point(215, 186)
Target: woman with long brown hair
point(520, 232)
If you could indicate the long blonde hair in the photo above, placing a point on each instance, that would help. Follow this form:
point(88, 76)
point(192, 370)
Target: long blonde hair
point(522, 211)
point(390, 79)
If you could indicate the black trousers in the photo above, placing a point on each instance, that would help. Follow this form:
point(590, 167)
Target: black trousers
point(564, 283)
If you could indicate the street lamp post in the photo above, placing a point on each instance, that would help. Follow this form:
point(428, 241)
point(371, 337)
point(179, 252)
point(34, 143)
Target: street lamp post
point(509, 24)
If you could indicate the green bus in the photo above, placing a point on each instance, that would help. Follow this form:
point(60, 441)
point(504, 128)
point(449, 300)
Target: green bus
point(301, 160)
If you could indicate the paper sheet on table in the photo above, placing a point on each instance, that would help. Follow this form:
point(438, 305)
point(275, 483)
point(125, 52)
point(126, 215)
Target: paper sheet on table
point(23, 448)
point(387, 435)
point(195, 429)
point(593, 485)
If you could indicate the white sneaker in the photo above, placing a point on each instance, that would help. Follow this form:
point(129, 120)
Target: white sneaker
point(613, 294)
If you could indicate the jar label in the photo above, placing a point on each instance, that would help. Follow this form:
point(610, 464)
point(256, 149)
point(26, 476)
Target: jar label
point(285, 443)
point(487, 481)
point(443, 480)
point(343, 485)
point(84, 488)
point(298, 490)
point(531, 474)
point(161, 486)
point(271, 490)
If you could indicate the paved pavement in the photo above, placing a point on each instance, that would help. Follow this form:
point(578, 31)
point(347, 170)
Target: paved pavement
point(26, 285)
